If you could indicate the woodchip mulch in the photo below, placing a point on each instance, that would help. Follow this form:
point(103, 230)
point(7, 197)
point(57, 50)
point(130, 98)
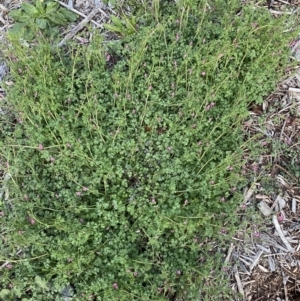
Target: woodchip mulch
point(263, 260)
point(265, 255)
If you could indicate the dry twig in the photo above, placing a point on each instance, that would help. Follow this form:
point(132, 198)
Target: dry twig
point(229, 253)
point(79, 26)
point(284, 280)
point(256, 260)
point(2, 20)
point(281, 235)
point(238, 281)
point(3, 8)
point(79, 13)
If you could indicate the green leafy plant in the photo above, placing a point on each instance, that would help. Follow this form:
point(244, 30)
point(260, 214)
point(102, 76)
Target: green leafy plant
point(125, 27)
point(125, 168)
point(42, 15)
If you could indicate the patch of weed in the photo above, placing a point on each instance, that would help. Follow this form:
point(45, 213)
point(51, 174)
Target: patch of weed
point(122, 175)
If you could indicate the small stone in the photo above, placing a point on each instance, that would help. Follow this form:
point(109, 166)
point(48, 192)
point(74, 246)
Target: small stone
point(264, 208)
point(281, 202)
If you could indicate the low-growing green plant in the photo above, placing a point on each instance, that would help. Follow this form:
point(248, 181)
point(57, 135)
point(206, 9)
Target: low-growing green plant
point(124, 28)
point(124, 166)
point(45, 16)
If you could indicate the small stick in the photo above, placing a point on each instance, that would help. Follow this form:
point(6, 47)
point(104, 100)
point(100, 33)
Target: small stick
point(267, 250)
point(2, 20)
point(249, 193)
point(284, 280)
point(285, 2)
point(281, 235)
point(103, 13)
point(4, 264)
point(263, 268)
point(244, 261)
point(271, 263)
point(294, 205)
point(3, 8)
point(295, 90)
point(229, 252)
point(78, 12)
point(78, 27)
point(274, 204)
point(256, 260)
point(238, 281)
point(283, 127)
point(279, 12)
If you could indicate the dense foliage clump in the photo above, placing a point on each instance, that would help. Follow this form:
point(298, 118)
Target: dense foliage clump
point(125, 157)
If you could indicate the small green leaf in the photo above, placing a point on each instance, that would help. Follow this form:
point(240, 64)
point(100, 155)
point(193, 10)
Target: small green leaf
point(15, 14)
point(4, 293)
point(16, 31)
point(17, 292)
point(51, 7)
point(52, 31)
point(130, 25)
point(30, 32)
point(24, 18)
point(116, 21)
point(113, 28)
point(41, 283)
point(29, 9)
point(40, 7)
point(58, 18)
point(42, 23)
point(70, 16)
point(18, 27)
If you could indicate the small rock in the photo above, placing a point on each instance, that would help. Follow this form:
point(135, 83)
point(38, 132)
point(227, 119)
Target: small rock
point(67, 293)
point(280, 201)
point(294, 205)
point(264, 208)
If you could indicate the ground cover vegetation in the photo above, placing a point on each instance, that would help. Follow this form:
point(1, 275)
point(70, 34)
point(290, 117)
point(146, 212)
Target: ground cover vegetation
point(124, 159)
point(46, 16)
